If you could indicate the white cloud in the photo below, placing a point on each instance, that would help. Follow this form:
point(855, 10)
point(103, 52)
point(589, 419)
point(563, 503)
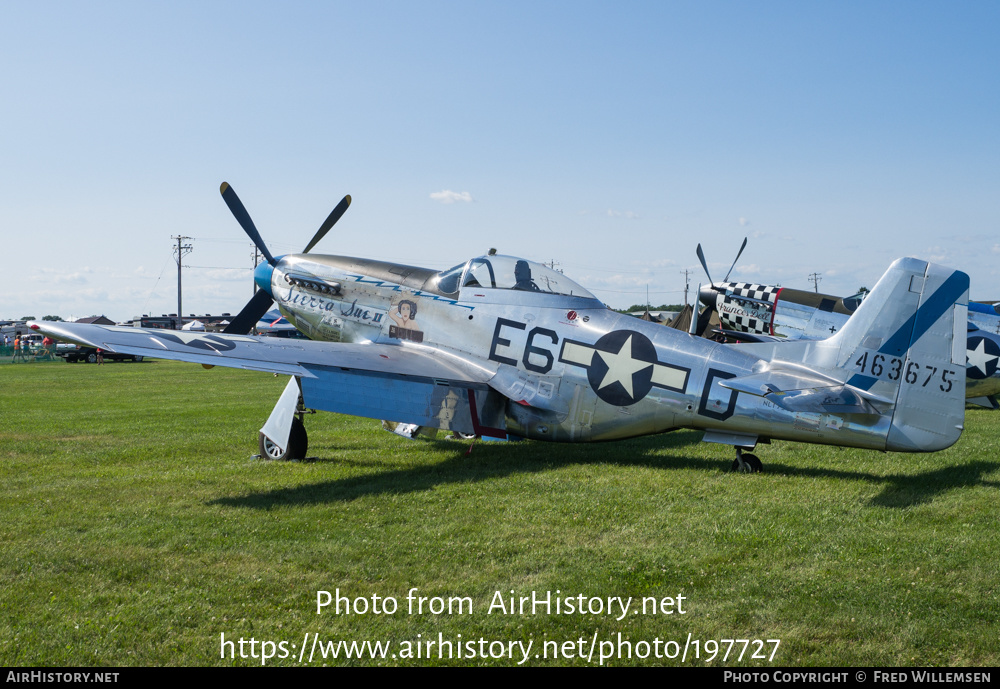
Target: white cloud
point(449, 196)
point(656, 263)
point(744, 222)
point(631, 215)
point(73, 278)
point(937, 254)
point(54, 276)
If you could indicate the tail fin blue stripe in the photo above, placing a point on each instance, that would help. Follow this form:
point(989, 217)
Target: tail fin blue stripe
point(943, 299)
point(862, 382)
point(919, 323)
point(926, 316)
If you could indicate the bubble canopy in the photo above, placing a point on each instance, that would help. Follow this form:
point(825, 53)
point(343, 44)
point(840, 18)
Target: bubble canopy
point(507, 272)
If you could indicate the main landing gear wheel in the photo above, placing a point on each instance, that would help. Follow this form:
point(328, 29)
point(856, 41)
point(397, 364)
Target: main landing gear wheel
point(298, 444)
point(750, 465)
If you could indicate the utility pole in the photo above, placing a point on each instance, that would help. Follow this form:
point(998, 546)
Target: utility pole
point(687, 281)
point(180, 251)
point(815, 277)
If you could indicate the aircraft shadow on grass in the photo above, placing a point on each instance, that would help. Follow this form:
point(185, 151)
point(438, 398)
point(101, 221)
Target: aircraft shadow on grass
point(496, 461)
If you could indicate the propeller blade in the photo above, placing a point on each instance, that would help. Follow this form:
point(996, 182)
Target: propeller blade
point(243, 218)
point(251, 313)
point(330, 221)
point(703, 320)
point(692, 327)
point(701, 257)
point(740, 253)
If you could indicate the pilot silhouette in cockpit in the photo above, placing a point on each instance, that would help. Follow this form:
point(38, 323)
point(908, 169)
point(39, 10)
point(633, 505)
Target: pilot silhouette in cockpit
point(522, 275)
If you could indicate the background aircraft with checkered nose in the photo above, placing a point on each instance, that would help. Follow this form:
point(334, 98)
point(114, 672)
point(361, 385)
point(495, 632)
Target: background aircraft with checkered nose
point(503, 347)
point(751, 312)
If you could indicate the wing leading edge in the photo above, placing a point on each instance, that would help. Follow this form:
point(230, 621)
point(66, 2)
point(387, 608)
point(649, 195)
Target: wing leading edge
point(274, 355)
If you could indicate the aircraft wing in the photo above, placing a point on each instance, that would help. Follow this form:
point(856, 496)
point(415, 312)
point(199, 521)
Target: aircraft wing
point(270, 354)
point(403, 383)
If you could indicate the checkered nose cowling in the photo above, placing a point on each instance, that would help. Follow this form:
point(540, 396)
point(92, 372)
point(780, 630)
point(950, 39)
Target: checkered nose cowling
point(747, 316)
point(748, 289)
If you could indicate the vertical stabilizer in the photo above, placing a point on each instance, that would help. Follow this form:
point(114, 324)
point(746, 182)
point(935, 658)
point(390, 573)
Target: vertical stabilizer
point(903, 352)
point(907, 342)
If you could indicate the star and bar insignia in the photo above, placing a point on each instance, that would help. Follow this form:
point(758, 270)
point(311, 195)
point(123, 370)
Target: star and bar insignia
point(983, 356)
point(622, 367)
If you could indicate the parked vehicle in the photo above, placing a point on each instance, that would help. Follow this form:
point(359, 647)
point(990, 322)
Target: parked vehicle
point(74, 353)
point(33, 343)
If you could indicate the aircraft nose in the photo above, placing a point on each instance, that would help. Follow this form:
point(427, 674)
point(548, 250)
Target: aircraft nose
point(707, 295)
point(262, 276)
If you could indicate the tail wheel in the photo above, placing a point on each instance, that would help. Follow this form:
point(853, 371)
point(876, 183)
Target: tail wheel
point(751, 465)
point(298, 444)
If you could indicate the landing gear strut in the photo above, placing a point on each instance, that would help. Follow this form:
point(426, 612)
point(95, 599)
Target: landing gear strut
point(746, 463)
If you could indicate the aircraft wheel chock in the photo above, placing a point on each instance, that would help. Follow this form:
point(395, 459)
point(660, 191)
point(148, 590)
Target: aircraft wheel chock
point(298, 444)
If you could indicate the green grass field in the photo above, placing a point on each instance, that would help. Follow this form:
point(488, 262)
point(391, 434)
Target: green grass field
point(136, 529)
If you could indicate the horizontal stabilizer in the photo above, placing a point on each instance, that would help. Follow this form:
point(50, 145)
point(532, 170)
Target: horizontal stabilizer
point(751, 337)
point(834, 400)
point(807, 392)
point(989, 401)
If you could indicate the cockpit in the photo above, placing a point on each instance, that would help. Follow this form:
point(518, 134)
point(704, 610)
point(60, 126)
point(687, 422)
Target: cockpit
point(506, 272)
point(979, 307)
point(852, 302)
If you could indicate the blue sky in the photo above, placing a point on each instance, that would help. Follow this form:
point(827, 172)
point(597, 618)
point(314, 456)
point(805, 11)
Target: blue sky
point(609, 137)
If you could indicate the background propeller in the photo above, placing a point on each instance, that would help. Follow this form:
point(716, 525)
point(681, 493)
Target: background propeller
point(701, 257)
point(706, 313)
point(260, 303)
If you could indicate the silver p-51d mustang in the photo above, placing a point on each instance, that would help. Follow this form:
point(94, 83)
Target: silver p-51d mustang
point(504, 347)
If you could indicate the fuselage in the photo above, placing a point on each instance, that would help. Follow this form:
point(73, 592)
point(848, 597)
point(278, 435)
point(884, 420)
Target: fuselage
point(570, 368)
